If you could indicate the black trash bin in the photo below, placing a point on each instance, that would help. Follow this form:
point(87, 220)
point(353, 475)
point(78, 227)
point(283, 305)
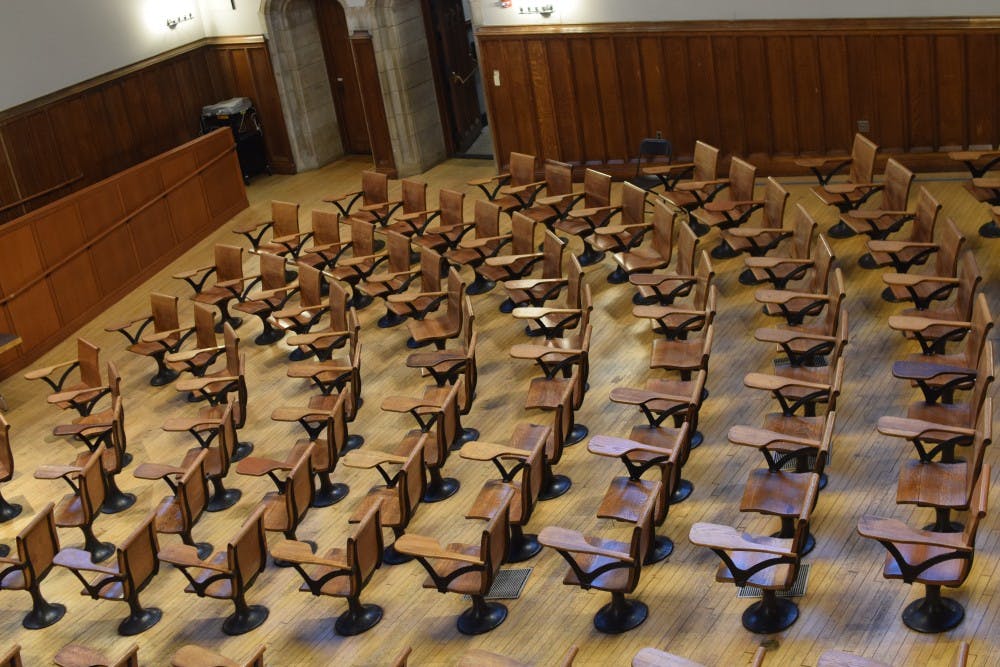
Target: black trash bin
point(239, 115)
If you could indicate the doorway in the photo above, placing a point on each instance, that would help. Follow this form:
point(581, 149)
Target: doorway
point(457, 78)
point(344, 85)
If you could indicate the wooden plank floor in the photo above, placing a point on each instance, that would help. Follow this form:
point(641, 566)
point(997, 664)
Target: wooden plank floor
point(848, 605)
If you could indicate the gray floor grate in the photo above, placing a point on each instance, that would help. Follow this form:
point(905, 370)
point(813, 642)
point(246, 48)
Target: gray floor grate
point(797, 590)
point(508, 584)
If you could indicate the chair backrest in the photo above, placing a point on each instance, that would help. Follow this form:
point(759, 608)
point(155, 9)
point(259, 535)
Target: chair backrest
point(336, 430)
point(552, 255)
point(91, 489)
point(114, 381)
point(951, 243)
point(705, 274)
point(192, 492)
point(229, 264)
point(37, 545)
point(574, 282)
point(533, 437)
point(456, 292)
point(977, 510)
point(834, 307)
point(247, 551)
point(6, 453)
point(775, 198)
point(272, 271)
point(89, 356)
point(823, 259)
point(969, 279)
point(362, 238)
point(118, 443)
point(364, 549)
point(897, 181)
point(804, 229)
point(398, 247)
point(802, 523)
point(163, 307)
point(374, 188)
point(447, 427)
point(204, 326)
point(706, 160)
point(663, 229)
point(596, 188)
point(562, 420)
point(414, 197)
point(137, 560)
point(862, 159)
point(985, 374)
point(451, 203)
point(232, 343)
point(741, 179)
point(522, 230)
point(493, 545)
point(979, 332)
point(926, 214)
point(336, 299)
point(687, 249)
point(430, 270)
point(633, 204)
point(227, 440)
point(522, 168)
point(411, 483)
point(298, 489)
point(487, 219)
point(974, 460)
point(825, 448)
point(558, 178)
point(837, 375)
point(325, 227)
point(285, 216)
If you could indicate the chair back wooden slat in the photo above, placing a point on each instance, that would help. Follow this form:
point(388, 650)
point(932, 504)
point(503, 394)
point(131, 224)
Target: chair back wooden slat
point(204, 326)
point(633, 204)
point(775, 199)
point(164, 310)
point(596, 188)
point(89, 356)
point(805, 229)
point(285, 216)
point(325, 227)
point(522, 168)
point(663, 229)
point(272, 271)
point(897, 181)
point(863, 154)
point(522, 234)
point(229, 264)
point(706, 160)
point(137, 560)
point(411, 485)
point(451, 203)
point(362, 238)
point(687, 249)
point(374, 188)
point(742, 175)
point(37, 545)
point(91, 487)
point(248, 551)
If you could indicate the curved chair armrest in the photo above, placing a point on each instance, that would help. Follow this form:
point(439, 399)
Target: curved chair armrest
point(427, 547)
point(915, 323)
point(413, 215)
point(184, 555)
point(307, 338)
point(258, 466)
point(611, 446)
point(717, 536)
point(894, 530)
point(378, 206)
point(360, 259)
point(761, 438)
point(531, 351)
point(846, 188)
point(406, 298)
point(780, 296)
point(811, 162)
point(777, 383)
point(52, 471)
point(480, 450)
point(156, 470)
point(39, 373)
point(293, 414)
point(779, 336)
point(750, 232)
point(157, 336)
point(193, 272)
point(268, 293)
point(554, 200)
point(667, 168)
point(342, 197)
point(79, 559)
point(988, 182)
point(657, 278)
point(187, 355)
point(716, 206)
point(121, 326)
point(904, 427)
point(536, 312)
point(517, 189)
point(511, 259)
point(906, 370)
point(689, 186)
point(253, 226)
point(612, 230)
point(300, 552)
point(771, 262)
point(81, 427)
point(528, 283)
point(910, 279)
point(404, 404)
point(196, 384)
point(635, 396)
point(369, 458)
point(433, 358)
point(564, 539)
point(481, 241)
point(872, 214)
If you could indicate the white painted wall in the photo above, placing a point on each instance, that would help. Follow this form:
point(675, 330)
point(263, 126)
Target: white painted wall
point(489, 12)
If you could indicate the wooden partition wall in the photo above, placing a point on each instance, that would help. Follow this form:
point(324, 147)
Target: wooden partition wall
point(766, 90)
point(64, 263)
point(78, 136)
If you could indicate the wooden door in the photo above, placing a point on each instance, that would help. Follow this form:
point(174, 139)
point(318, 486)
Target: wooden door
point(451, 47)
point(343, 76)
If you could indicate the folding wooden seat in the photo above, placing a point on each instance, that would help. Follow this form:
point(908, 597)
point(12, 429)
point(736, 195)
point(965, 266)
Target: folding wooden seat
point(451, 226)
point(663, 288)
point(779, 270)
point(734, 211)
point(230, 283)
point(701, 168)
point(301, 318)
point(396, 279)
point(683, 356)
point(285, 508)
point(545, 393)
point(945, 486)
point(702, 187)
point(514, 189)
point(78, 655)
point(858, 187)
point(341, 379)
point(329, 413)
point(608, 565)
point(552, 322)
point(375, 208)
point(526, 291)
point(82, 507)
point(935, 284)
point(83, 395)
point(768, 563)
point(435, 412)
point(805, 344)
point(801, 390)
point(447, 365)
point(563, 422)
point(467, 568)
point(104, 434)
point(341, 572)
point(8, 510)
point(626, 496)
point(327, 246)
point(275, 292)
point(658, 252)
point(653, 443)
point(219, 459)
point(597, 212)
point(163, 316)
point(37, 544)
point(889, 215)
point(178, 513)
point(559, 356)
point(559, 196)
point(335, 375)
point(814, 272)
point(192, 655)
point(653, 657)
point(931, 559)
point(520, 464)
point(795, 306)
point(417, 303)
point(934, 328)
point(628, 233)
point(226, 387)
point(397, 500)
point(762, 239)
point(677, 321)
point(227, 575)
point(136, 566)
point(902, 254)
point(939, 375)
point(479, 658)
point(341, 327)
point(440, 328)
point(286, 237)
point(519, 263)
point(206, 345)
point(487, 242)
point(364, 260)
point(777, 492)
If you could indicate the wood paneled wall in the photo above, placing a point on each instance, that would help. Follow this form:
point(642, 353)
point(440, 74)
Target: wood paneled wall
point(78, 136)
point(65, 262)
point(766, 90)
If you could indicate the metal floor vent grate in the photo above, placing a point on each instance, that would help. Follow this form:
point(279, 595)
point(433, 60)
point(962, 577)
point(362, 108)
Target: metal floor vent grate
point(508, 584)
point(797, 590)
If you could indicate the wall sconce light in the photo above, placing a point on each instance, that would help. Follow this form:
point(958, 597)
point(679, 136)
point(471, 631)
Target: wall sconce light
point(544, 10)
point(173, 23)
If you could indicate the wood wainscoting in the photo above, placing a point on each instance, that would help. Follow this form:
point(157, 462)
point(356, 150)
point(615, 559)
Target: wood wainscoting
point(63, 263)
point(766, 90)
point(80, 135)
